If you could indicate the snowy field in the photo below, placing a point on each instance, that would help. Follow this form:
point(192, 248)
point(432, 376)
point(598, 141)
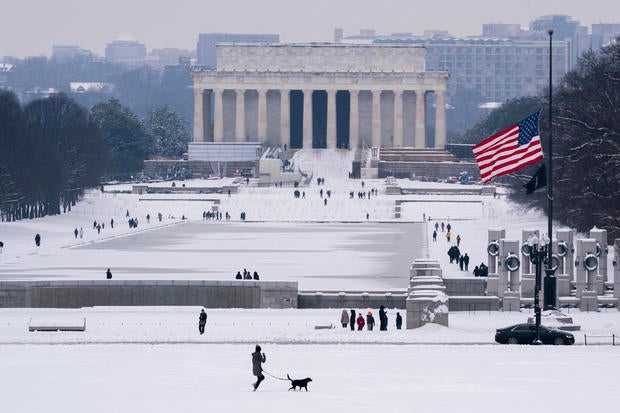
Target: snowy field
point(154, 360)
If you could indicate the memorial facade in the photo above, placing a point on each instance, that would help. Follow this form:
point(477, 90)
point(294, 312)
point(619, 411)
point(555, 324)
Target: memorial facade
point(319, 96)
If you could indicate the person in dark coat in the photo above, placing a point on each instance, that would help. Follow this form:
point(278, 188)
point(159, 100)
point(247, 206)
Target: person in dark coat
point(383, 319)
point(352, 320)
point(75, 232)
point(448, 227)
point(484, 270)
point(434, 236)
point(399, 321)
point(202, 321)
point(370, 321)
point(466, 261)
point(238, 276)
point(257, 369)
point(461, 262)
point(108, 274)
point(476, 272)
point(37, 240)
point(256, 276)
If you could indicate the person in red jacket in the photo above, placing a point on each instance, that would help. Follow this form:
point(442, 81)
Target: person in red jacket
point(360, 322)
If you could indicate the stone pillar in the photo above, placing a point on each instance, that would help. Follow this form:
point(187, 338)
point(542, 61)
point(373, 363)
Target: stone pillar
point(199, 130)
point(285, 117)
point(616, 267)
point(218, 124)
point(354, 121)
point(307, 120)
point(420, 119)
point(240, 116)
point(376, 119)
point(262, 115)
point(331, 118)
point(440, 119)
point(398, 119)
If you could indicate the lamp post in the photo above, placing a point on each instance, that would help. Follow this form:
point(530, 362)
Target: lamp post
point(538, 252)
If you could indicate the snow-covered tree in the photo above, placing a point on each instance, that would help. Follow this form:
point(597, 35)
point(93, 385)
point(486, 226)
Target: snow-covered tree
point(168, 132)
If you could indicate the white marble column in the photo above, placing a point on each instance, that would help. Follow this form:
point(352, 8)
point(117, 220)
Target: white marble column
point(199, 130)
point(331, 119)
point(262, 115)
point(307, 120)
point(240, 115)
point(285, 118)
point(354, 120)
point(398, 119)
point(420, 115)
point(440, 119)
point(376, 118)
point(218, 123)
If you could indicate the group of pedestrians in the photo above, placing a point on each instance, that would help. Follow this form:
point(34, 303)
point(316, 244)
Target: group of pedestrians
point(462, 260)
point(349, 318)
point(247, 275)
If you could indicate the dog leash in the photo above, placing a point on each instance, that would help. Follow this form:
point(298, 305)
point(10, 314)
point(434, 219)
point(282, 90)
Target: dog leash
point(275, 377)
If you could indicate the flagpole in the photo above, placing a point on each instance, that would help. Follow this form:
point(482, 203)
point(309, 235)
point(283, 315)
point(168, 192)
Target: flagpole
point(550, 280)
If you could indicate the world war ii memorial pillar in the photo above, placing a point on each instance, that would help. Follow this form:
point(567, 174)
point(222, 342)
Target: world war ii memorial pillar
point(508, 265)
point(586, 266)
point(565, 249)
point(493, 251)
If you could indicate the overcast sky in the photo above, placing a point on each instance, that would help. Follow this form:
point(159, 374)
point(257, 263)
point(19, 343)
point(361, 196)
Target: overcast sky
point(31, 27)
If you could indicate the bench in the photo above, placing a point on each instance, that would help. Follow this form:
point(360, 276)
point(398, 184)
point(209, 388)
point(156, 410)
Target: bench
point(66, 324)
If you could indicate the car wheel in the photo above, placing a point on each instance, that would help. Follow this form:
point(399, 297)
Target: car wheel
point(512, 340)
point(558, 341)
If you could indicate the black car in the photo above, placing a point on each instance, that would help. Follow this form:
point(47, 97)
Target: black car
point(526, 334)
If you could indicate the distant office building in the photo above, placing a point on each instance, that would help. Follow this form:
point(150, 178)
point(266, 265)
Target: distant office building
point(62, 52)
point(125, 50)
point(504, 30)
point(168, 56)
point(206, 55)
point(566, 29)
point(604, 33)
point(498, 67)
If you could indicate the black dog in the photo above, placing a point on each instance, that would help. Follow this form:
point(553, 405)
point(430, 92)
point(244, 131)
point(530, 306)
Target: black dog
point(302, 383)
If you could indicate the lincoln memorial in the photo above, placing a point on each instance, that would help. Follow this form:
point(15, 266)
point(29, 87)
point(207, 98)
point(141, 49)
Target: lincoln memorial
point(319, 96)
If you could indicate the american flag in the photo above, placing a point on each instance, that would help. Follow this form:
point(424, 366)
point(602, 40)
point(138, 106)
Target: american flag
point(510, 149)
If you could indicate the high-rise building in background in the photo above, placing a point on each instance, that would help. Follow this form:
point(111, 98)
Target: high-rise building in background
point(205, 52)
point(604, 33)
point(125, 50)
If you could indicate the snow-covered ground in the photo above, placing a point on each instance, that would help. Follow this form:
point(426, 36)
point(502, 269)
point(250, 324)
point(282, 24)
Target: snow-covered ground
point(153, 359)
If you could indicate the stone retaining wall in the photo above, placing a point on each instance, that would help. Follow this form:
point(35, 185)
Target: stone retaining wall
point(210, 294)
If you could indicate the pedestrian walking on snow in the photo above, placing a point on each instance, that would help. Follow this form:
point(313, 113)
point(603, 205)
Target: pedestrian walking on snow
point(383, 319)
point(370, 321)
point(202, 321)
point(344, 318)
point(458, 240)
point(75, 232)
point(37, 240)
point(81, 232)
point(360, 322)
point(448, 236)
point(258, 359)
point(399, 321)
point(352, 320)
point(108, 274)
point(434, 236)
